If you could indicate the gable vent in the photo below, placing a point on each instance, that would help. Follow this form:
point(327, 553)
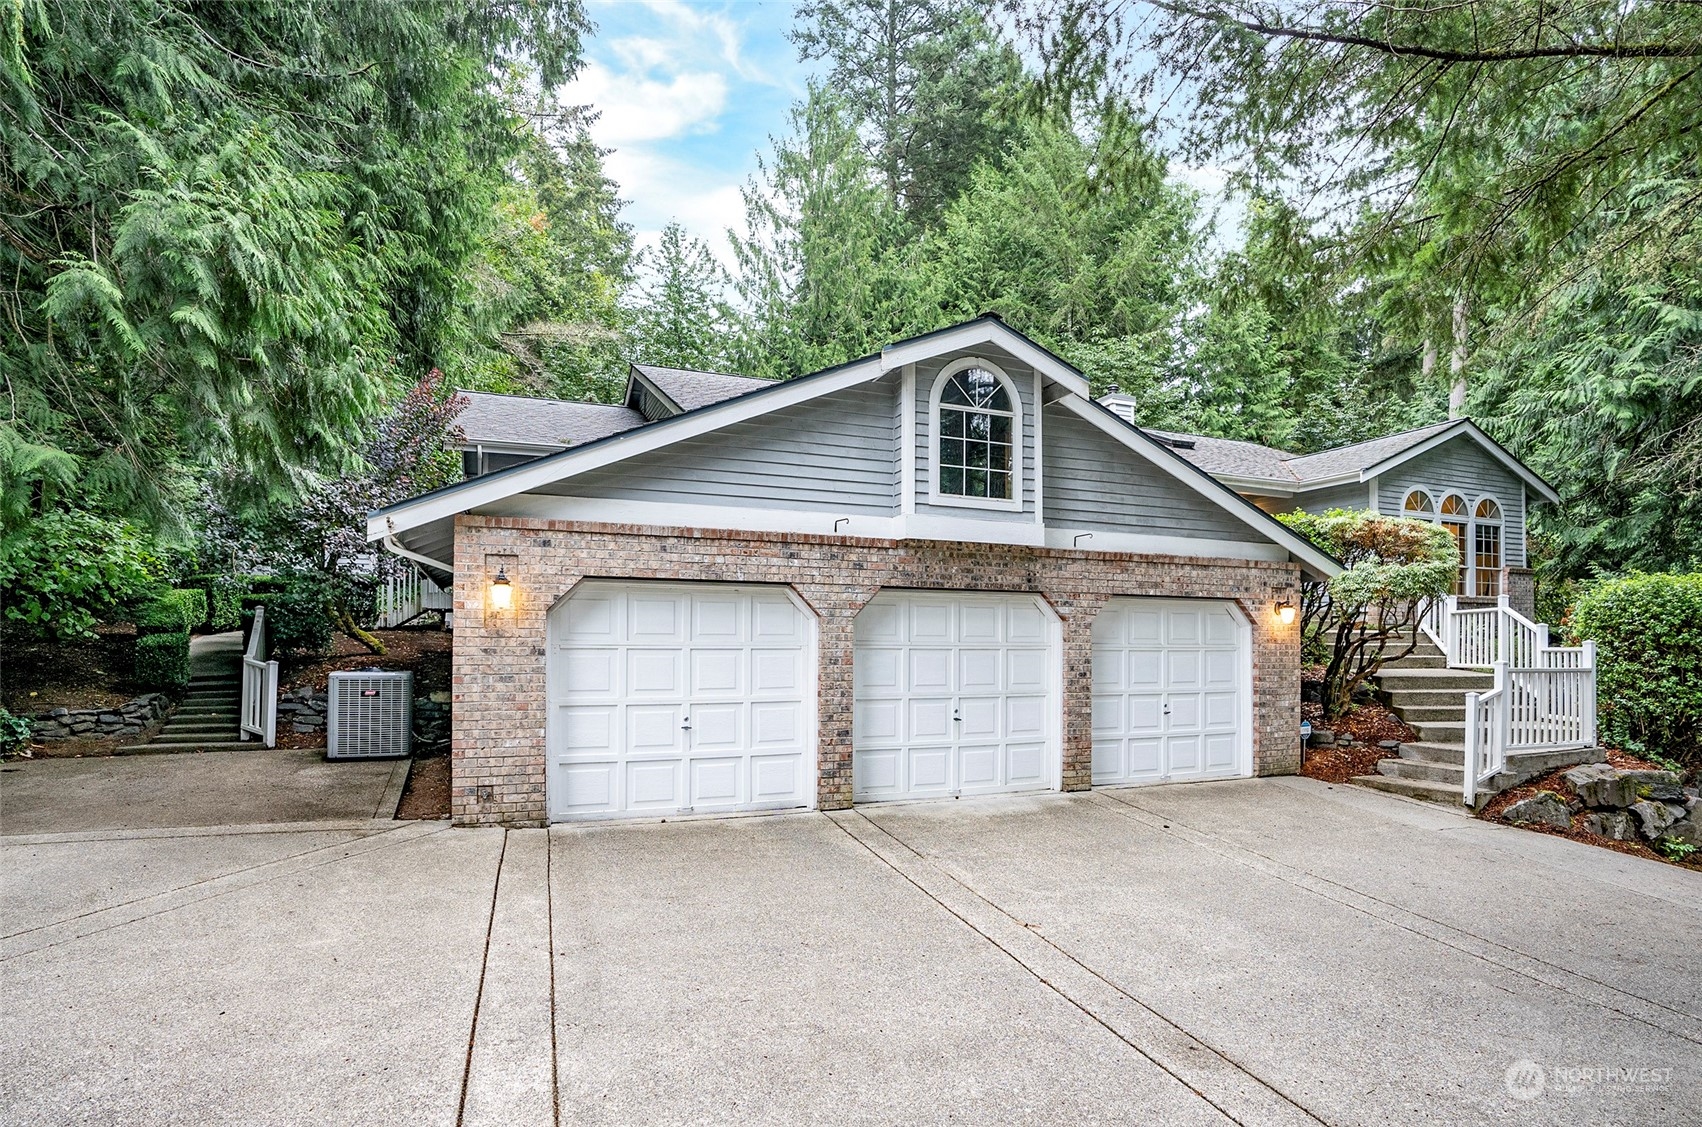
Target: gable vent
point(369, 715)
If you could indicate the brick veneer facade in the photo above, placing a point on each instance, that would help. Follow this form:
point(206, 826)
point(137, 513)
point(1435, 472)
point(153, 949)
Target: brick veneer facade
point(499, 666)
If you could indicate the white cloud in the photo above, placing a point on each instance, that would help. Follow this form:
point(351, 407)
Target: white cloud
point(635, 107)
point(672, 191)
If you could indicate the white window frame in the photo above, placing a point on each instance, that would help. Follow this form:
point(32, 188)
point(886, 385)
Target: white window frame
point(1435, 508)
point(1012, 504)
point(1499, 523)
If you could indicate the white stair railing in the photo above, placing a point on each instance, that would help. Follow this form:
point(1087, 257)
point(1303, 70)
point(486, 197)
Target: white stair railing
point(1544, 697)
point(259, 686)
point(408, 594)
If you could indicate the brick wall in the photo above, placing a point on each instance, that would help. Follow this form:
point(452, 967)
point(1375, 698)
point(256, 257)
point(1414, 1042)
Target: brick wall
point(499, 666)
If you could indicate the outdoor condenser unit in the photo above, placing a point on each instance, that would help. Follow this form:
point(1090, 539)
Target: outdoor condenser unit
point(370, 715)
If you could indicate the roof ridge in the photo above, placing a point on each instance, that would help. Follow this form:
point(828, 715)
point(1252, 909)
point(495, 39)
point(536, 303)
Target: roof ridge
point(1443, 425)
point(704, 372)
point(542, 399)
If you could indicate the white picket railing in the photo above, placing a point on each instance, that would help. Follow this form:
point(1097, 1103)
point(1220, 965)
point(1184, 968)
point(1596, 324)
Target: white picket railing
point(1544, 697)
point(259, 686)
point(407, 595)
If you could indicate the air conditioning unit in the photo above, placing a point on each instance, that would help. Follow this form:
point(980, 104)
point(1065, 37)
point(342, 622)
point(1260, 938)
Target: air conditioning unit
point(370, 715)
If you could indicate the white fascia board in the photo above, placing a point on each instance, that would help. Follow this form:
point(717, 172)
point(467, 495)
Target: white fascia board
point(493, 487)
point(1263, 486)
point(1204, 484)
point(826, 522)
point(985, 332)
point(508, 447)
point(1471, 430)
point(395, 546)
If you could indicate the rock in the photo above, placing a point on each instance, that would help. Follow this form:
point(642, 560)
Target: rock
point(440, 697)
point(60, 713)
point(1323, 737)
point(1543, 808)
point(111, 718)
point(1601, 785)
point(1688, 829)
point(1662, 792)
point(1654, 817)
point(1615, 825)
point(1389, 745)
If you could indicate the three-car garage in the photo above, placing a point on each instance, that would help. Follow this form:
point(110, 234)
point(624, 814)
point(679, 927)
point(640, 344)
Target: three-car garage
point(674, 698)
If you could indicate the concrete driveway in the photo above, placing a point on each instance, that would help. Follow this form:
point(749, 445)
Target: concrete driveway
point(1269, 951)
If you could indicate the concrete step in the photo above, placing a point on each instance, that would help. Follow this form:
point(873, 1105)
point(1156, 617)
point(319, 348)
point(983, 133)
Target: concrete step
point(1418, 659)
point(223, 713)
point(1420, 698)
point(1413, 788)
point(1453, 774)
point(196, 735)
point(1418, 713)
point(1464, 680)
point(160, 748)
point(210, 739)
point(1427, 752)
point(1441, 731)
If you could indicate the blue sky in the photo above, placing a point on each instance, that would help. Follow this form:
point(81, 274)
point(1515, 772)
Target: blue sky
point(689, 94)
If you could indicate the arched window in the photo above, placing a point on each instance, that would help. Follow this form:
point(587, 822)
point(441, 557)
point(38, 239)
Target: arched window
point(978, 428)
point(1419, 506)
point(1486, 549)
point(1456, 516)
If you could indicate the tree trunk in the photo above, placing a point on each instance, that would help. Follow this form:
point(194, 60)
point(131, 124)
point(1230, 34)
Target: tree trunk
point(1457, 363)
point(346, 623)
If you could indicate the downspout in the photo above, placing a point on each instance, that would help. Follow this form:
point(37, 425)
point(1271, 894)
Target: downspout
point(390, 542)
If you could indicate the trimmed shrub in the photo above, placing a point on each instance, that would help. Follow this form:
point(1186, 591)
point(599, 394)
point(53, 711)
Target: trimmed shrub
point(162, 661)
point(1648, 635)
point(224, 595)
point(296, 618)
point(161, 615)
point(192, 603)
point(62, 572)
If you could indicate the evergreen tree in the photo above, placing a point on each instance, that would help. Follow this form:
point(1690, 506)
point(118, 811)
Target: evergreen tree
point(680, 320)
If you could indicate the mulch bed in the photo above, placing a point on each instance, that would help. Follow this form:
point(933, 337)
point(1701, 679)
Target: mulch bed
point(426, 795)
point(84, 673)
point(424, 650)
point(1555, 783)
point(1367, 724)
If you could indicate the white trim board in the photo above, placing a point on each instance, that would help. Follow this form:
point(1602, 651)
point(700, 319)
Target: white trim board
point(985, 330)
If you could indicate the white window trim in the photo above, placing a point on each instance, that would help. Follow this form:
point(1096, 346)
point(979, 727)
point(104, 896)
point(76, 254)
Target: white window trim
point(1499, 523)
point(1012, 504)
point(1435, 513)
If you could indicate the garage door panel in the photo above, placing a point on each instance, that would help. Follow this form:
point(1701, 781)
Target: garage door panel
point(588, 787)
point(1025, 718)
point(777, 778)
point(653, 784)
point(714, 782)
point(678, 697)
point(656, 727)
point(654, 619)
point(1168, 691)
point(974, 679)
point(588, 728)
point(979, 767)
point(586, 673)
point(654, 672)
point(930, 769)
point(777, 724)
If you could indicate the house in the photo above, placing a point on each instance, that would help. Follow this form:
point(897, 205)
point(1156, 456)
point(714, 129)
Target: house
point(941, 569)
point(1448, 472)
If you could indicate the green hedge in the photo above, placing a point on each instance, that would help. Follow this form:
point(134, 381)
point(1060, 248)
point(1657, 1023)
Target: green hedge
point(162, 660)
point(161, 615)
point(192, 601)
point(296, 619)
point(1648, 635)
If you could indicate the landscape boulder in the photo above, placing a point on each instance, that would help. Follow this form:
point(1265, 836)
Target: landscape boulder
point(1615, 825)
point(1599, 784)
point(1542, 808)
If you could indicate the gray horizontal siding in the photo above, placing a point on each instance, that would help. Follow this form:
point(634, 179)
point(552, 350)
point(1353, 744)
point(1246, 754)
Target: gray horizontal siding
point(1095, 482)
point(1461, 466)
point(833, 453)
point(1356, 496)
point(926, 375)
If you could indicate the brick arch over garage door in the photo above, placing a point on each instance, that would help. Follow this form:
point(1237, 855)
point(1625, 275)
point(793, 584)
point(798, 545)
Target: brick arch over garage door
point(499, 664)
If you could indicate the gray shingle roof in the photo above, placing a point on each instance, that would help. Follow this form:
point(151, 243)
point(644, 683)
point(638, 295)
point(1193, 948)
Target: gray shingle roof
point(1224, 456)
point(692, 390)
point(490, 419)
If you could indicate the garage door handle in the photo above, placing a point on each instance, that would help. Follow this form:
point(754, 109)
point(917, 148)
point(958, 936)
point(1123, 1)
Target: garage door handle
point(687, 725)
point(1167, 708)
point(956, 715)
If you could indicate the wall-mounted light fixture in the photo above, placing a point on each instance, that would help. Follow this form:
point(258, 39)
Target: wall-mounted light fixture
point(502, 591)
point(1285, 613)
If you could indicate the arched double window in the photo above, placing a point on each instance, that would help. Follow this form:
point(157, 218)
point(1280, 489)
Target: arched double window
point(977, 424)
point(1419, 506)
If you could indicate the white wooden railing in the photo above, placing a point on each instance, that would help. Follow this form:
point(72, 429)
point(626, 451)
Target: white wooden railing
point(1544, 697)
point(407, 595)
point(259, 686)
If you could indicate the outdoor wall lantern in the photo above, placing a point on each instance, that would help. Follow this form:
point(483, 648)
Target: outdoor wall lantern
point(502, 591)
point(1285, 613)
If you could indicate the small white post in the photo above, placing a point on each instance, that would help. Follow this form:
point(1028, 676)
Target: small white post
point(1589, 701)
point(1471, 749)
point(1451, 628)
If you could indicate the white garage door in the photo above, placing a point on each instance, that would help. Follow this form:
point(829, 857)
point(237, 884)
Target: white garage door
point(954, 695)
point(1168, 692)
point(679, 698)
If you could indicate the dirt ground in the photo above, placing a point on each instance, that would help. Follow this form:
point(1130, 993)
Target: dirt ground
point(426, 795)
point(423, 649)
point(83, 673)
